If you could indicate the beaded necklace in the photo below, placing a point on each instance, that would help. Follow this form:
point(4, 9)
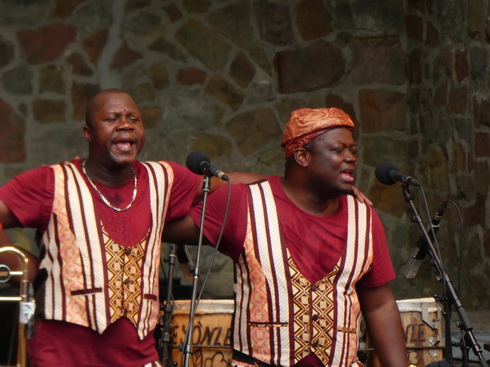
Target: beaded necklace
point(106, 202)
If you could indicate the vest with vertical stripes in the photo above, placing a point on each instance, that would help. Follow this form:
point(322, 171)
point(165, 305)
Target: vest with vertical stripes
point(281, 317)
point(92, 281)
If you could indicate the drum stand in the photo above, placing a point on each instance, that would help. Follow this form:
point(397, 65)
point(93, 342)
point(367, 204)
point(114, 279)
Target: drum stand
point(469, 340)
point(165, 341)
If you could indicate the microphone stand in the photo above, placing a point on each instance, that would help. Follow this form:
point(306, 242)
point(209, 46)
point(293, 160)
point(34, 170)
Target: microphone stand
point(187, 348)
point(452, 298)
point(165, 339)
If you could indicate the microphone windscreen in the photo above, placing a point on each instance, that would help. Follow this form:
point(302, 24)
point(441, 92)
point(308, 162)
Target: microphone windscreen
point(194, 161)
point(382, 172)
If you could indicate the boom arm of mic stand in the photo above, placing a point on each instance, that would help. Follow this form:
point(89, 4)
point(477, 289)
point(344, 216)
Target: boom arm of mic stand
point(464, 320)
point(187, 349)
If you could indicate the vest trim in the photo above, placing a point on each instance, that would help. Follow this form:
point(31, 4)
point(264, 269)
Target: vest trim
point(77, 287)
point(280, 316)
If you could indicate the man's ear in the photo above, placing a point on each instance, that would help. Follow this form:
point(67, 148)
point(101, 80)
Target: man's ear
point(301, 156)
point(86, 133)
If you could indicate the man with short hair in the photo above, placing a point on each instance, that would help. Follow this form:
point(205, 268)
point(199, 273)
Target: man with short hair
point(101, 220)
point(308, 256)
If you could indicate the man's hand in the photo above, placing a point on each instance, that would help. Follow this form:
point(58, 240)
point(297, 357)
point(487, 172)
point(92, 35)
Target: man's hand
point(361, 197)
point(67, 162)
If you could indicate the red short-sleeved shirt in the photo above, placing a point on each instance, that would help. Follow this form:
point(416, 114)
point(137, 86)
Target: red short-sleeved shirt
point(315, 243)
point(30, 197)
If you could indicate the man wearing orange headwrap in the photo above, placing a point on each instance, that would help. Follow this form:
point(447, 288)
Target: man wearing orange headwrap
point(309, 257)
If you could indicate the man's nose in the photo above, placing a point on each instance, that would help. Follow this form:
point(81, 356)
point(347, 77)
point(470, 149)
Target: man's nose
point(349, 156)
point(125, 124)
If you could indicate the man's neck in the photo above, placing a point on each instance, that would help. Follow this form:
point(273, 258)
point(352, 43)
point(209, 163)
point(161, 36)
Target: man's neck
point(109, 177)
point(306, 199)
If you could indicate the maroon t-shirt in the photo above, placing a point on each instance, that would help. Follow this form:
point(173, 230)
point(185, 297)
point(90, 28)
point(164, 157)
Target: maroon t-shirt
point(314, 242)
point(55, 343)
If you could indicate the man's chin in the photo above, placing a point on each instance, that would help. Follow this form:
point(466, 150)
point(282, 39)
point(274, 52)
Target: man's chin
point(347, 190)
point(124, 159)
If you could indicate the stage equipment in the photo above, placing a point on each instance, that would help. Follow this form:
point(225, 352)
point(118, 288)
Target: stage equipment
point(388, 174)
point(421, 321)
point(420, 251)
point(165, 325)
point(199, 163)
point(450, 299)
point(211, 343)
point(25, 299)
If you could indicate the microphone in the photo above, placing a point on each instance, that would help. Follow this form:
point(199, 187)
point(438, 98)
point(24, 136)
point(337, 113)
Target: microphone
point(420, 251)
point(200, 164)
point(388, 174)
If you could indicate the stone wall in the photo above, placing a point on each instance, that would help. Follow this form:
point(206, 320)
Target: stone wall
point(221, 76)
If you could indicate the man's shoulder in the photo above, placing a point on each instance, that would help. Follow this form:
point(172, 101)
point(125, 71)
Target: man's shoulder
point(36, 172)
point(179, 175)
point(31, 184)
point(166, 164)
point(272, 180)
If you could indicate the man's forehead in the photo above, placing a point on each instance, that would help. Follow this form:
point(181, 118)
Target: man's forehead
point(114, 101)
point(337, 133)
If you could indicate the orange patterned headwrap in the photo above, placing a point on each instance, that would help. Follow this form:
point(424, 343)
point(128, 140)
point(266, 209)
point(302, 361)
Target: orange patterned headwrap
point(306, 124)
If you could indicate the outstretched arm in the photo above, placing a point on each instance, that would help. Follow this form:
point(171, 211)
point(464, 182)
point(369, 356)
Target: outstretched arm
point(182, 231)
point(235, 178)
point(384, 325)
point(246, 178)
point(7, 218)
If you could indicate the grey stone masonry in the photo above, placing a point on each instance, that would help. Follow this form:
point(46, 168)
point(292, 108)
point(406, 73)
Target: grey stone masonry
point(222, 77)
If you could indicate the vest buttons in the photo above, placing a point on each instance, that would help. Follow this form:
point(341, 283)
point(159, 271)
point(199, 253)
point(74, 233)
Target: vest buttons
point(127, 281)
point(128, 251)
point(314, 288)
point(314, 317)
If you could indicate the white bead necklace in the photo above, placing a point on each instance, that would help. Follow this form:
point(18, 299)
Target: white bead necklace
point(106, 202)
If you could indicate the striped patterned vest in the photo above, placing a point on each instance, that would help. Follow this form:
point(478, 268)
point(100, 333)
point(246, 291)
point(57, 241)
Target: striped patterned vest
point(91, 280)
point(280, 317)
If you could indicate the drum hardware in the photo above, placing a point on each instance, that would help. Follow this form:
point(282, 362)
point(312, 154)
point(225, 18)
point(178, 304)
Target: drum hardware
point(425, 317)
point(25, 299)
point(166, 340)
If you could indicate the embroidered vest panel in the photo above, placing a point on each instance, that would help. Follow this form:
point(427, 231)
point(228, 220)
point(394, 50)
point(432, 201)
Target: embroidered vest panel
point(281, 317)
point(91, 280)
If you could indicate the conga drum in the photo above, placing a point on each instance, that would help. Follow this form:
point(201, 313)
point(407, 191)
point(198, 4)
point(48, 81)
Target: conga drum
point(421, 320)
point(211, 335)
